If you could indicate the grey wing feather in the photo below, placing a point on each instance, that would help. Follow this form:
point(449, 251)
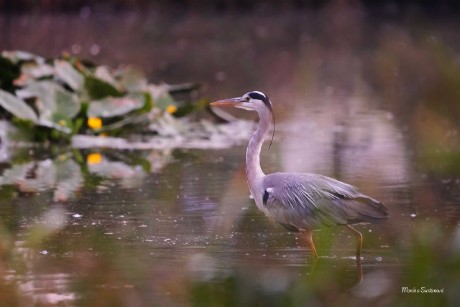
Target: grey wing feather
point(309, 201)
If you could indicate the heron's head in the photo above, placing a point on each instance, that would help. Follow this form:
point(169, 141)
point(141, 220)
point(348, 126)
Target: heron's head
point(255, 100)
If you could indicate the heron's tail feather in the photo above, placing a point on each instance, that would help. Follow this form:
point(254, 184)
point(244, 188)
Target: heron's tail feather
point(366, 209)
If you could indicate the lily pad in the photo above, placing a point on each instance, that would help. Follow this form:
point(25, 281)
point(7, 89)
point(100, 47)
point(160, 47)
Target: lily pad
point(103, 73)
point(60, 126)
point(54, 103)
point(17, 107)
point(161, 97)
point(31, 71)
point(98, 88)
point(36, 70)
point(115, 106)
point(20, 56)
point(67, 73)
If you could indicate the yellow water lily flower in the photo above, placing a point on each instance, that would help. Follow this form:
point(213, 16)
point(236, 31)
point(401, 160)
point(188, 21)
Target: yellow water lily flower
point(171, 109)
point(94, 123)
point(94, 158)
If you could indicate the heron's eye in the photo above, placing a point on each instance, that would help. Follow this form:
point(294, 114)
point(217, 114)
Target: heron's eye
point(246, 99)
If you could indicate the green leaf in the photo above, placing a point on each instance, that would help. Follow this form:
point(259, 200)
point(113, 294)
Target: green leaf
point(67, 73)
point(54, 103)
point(77, 124)
point(31, 71)
point(17, 107)
point(116, 106)
point(103, 73)
point(56, 126)
point(160, 96)
point(98, 89)
point(21, 56)
point(164, 101)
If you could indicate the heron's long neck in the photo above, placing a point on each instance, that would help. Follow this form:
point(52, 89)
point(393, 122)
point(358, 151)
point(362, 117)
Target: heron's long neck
point(254, 172)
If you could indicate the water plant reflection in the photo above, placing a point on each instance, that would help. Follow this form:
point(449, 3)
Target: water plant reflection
point(65, 174)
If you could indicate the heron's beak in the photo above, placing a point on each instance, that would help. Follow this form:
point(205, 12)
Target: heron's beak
point(227, 102)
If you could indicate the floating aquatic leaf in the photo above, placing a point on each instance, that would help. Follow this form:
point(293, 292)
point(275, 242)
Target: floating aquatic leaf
point(103, 73)
point(16, 106)
point(36, 70)
point(54, 103)
point(115, 106)
point(31, 71)
point(60, 126)
point(98, 89)
point(18, 56)
point(161, 97)
point(68, 74)
point(164, 102)
point(132, 119)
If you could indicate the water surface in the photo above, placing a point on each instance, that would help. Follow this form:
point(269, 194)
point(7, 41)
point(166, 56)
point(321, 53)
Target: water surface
point(372, 103)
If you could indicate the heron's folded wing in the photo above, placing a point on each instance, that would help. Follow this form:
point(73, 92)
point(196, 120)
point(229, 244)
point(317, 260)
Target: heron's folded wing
point(313, 201)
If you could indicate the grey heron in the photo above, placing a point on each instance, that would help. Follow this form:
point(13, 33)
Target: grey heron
point(301, 202)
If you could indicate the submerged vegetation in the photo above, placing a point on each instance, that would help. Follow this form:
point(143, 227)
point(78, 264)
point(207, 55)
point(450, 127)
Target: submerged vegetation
point(54, 99)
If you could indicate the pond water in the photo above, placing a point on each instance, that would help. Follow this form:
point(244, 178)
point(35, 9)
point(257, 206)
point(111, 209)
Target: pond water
point(177, 227)
point(166, 227)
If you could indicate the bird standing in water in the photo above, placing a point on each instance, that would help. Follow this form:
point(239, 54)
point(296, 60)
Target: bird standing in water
point(301, 202)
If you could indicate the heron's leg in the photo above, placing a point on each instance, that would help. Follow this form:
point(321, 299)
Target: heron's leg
point(311, 245)
point(359, 238)
point(359, 271)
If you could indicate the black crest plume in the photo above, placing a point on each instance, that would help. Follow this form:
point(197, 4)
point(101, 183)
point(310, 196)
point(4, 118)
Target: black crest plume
point(261, 96)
